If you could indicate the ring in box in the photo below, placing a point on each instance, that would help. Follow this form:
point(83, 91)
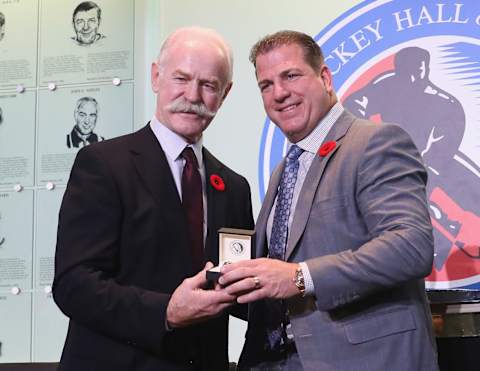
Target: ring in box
point(233, 245)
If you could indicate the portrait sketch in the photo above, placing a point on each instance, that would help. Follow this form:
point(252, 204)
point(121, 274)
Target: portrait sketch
point(85, 117)
point(86, 20)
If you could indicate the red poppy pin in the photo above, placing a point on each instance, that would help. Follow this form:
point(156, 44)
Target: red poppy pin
point(326, 148)
point(217, 182)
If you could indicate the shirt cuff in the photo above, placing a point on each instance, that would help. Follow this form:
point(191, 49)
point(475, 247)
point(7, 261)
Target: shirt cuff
point(309, 288)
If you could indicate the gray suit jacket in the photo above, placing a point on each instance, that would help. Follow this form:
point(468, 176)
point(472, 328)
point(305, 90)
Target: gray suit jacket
point(362, 225)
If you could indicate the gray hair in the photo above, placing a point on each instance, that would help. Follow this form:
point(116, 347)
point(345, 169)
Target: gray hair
point(84, 100)
point(202, 31)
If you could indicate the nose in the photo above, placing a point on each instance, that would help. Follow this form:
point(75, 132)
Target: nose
point(279, 92)
point(85, 26)
point(192, 92)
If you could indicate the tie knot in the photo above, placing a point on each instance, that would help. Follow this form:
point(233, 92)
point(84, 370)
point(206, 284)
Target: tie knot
point(294, 153)
point(190, 157)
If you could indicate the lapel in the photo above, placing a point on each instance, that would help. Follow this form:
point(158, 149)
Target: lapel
point(312, 182)
point(216, 203)
point(261, 225)
point(153, 170)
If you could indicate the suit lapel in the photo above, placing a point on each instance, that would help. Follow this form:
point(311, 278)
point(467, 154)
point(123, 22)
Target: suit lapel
point(312, 182)
point(153, 169)
point(261, 225)
point(216, 203)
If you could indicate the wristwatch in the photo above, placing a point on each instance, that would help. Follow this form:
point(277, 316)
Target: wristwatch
point(299, 280)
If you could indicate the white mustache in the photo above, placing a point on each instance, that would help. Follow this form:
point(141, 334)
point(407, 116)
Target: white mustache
point(181, 105)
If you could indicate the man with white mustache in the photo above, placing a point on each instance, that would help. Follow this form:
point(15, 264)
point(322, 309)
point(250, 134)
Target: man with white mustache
point(140, 215)
point(181, 105)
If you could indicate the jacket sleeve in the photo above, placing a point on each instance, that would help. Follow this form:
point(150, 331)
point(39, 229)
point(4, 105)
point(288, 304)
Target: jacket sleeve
point(87, 252)
point(390, 195)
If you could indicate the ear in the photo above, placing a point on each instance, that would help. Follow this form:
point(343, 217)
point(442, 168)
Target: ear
point(326, 76)
point(227, 90)
point(155, 74)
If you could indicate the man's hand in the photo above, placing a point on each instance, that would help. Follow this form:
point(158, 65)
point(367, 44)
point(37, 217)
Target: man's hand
point(256, 279)
point(190, 303)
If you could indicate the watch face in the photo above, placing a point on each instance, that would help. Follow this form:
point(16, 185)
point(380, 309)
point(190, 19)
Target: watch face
point(236, 247)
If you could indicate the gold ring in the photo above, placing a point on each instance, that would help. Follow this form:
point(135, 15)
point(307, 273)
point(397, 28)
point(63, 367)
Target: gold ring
point(256, 282)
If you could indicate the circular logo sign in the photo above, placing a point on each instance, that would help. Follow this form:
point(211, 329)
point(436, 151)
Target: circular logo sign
point(417, 64)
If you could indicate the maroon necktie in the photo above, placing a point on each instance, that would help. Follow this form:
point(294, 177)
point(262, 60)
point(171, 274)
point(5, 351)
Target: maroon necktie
point(192, 200)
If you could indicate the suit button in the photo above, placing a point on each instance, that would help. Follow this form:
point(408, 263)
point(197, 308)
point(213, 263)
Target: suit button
point(191, 362)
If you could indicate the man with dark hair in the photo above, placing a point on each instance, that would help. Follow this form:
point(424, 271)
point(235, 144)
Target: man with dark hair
point(345, 228)
point(138, 227)
point(85, 116)
point(86, 21)
point(2, 26)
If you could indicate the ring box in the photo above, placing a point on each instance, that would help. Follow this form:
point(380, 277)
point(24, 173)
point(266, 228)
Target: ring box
point(233, 245)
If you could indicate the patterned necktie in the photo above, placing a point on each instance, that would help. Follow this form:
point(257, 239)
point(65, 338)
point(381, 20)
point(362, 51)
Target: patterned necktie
point(192, 200)
point(278, 238)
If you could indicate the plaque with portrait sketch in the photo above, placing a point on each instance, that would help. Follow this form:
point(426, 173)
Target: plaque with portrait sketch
point(49, 322)
point(17, 138)
point(16, 238)
point(86, 41)
point(18, 43)
point(70, 118)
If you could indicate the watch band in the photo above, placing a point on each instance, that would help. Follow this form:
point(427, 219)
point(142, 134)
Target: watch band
point(299, 280)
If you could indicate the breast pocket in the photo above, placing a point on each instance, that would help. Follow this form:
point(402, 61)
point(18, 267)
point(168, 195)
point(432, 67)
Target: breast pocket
point(327, 206)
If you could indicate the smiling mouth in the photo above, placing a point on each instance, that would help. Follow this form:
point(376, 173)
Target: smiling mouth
point(289, 108)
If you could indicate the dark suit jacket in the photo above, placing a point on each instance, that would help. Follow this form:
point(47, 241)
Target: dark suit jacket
point(122, 249)
point(362, 225)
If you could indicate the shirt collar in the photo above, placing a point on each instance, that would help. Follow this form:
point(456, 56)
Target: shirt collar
point(173, 144)
point(313, 141)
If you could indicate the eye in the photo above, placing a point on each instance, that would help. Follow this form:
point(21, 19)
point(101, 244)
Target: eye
point(264, 86)
point(179, 78)
point(210, 87)
point(292, 76)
